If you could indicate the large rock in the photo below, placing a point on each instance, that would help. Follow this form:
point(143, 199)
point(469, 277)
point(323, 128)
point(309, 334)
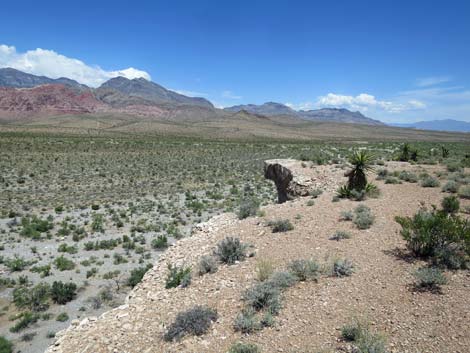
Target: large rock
point(289, 180)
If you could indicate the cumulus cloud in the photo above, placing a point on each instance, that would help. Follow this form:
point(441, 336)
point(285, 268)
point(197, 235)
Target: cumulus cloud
point(363, 102)
point(54, 65)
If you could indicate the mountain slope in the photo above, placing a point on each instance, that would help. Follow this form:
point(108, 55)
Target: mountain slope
point(327, 114)
point(17, 79)
point(150, 91)
point(438, 125)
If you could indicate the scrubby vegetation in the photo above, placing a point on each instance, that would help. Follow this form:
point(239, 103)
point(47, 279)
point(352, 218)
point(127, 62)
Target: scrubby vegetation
point(230, 250)
point(195, 321)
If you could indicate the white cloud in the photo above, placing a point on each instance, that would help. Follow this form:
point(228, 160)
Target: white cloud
point(432, 81)
point(189, 93)
point(54, 65)
point(363, 102)
point(230, 95)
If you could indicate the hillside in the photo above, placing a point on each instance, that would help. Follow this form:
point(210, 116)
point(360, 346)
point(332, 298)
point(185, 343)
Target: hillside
point(272, 109)
point(378, 292)
point(438, 125)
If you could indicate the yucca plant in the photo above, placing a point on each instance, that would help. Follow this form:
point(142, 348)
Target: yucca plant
point(362, 163)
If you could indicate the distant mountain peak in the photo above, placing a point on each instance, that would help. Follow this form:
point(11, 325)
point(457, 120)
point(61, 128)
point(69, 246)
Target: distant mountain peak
point(340, 115)
point(438, 125)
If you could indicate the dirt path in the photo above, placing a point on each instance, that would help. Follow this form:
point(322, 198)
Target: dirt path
point(312, 312)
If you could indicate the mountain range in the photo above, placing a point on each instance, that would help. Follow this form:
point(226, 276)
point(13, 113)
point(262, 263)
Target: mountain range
point(25, 96)
point(438, 125)
point(326, 114)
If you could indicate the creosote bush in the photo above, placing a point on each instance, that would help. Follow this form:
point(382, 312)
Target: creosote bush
point(195, 321)
point(280, 226)
point(429, 182)
point(464, 192)
point(363, 340)
point(450, 204)
point(62, 293)
point(230, 250)
point(438, 236)
point(7, 347)
point(178, 276)
point(451, 187)
point(249, 206)
point(137, 274)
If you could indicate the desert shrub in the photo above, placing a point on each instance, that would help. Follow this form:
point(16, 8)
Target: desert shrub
point(310, 203)
point(346, 216)
point(450, 204)
point(263, 295)
point(342, 268)
point(407, 153)
point(70, 249)
point(391, 180)
point(464, 192)
point(364, 341)
point(249, 206)
point(408, 176)
point(246, 321)
point(62, 293)
point(62, 317)
point(282, 279)
point(7, 347)
point(304, 270)
point(195, 321)
point(315, 193)
point(453, 167)
point(451, 187)
point(97, 222)
point(230, 250)
point(264, 269)
point(280, 226)
point(382, 174)
point(178, 276)
point(137, 274)
point(240, 347)
point(429, 278)
point(35, 299)
point(340, 234)
point(363, 217)
point(27, 318)
point(207, 264)
point(429, 182)
point(16, 264)
point(435, 235)
point(160, 242)
point(64, 264)
point(34, 226)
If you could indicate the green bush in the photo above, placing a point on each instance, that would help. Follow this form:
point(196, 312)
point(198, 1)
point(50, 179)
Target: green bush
point(136, 275)
point(178, 276)
point(230, 250)
point(450, 204)
point(195, 321)
point(280, 226)
point(429, 278)
point(304, 270)
point(62, 293)
point(282, 280)
point(429, 182)
point(160, 242)
point(240, 347)
point(27, 318)
point(363, 217)
point(64, 264)
point(435, 235)
point(16, 264)
point(408, 176)
point(464, 192)
point(35, 299)
point(451, 187)
point(7, 347)
point(62, 317)
point(364, 341)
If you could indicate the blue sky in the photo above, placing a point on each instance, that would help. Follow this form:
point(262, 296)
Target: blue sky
point(396, 61)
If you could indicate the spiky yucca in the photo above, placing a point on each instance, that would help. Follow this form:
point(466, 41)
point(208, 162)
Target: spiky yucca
point(362, 163)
